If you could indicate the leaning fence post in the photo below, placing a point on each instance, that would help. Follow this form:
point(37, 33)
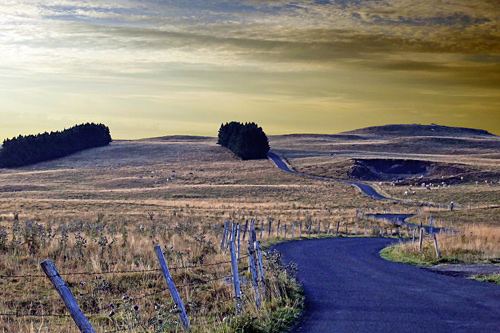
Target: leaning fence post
point(224, 236)
point(173, 290)
point(69, 300)
point(236, 280)
point(261, 268)
point(436, 245)
point(254, 276)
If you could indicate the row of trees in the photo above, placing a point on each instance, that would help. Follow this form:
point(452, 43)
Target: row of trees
point(31, 149)
point(248, 141)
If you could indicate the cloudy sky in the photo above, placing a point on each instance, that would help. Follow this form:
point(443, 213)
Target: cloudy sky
point(152, 67)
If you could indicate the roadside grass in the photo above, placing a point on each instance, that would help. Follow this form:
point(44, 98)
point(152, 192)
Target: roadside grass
point(495, 278)
point(475, 244)
point(105, 209)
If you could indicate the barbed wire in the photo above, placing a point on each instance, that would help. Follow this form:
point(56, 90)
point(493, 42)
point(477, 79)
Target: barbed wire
point(121, 272)
point(16, 314)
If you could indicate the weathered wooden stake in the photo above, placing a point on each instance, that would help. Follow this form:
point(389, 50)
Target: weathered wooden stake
point(224, 236)
point(319, 228)
point(173, 290)
point(255, 281)
point(346, 231)
point(261, 228)
point(236, 280)
point(69, 300)
point(285, 230)
point(300, 229)
point(238, 231)
point(431, 230)
point(245, 230)
point(269, 233)
point(437, 247)
point(261, 269)
point(278, 228)
point(293, 229)
point(338, 226)
point(355, 230)
point(310, 227)
point(420, 239)
point(328, 231)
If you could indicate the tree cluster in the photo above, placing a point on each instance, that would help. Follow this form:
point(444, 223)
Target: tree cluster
point(248, 141)
point(31, 149)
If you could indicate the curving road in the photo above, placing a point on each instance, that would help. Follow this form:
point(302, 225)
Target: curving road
point(366, 189)
point(350, 288)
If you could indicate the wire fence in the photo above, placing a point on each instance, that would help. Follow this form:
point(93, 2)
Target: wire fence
point(144, 271)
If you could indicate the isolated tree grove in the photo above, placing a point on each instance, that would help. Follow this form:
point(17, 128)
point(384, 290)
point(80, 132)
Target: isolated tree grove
point(248, 141)
point(31, 149)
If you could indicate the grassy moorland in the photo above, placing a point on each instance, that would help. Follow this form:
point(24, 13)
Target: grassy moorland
point(429, 166)
point(104, 209)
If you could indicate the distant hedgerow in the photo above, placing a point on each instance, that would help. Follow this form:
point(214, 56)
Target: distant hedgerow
point(31, 149)
point(248, 141)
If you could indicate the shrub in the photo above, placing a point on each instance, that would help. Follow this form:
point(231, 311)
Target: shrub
point(247, 141)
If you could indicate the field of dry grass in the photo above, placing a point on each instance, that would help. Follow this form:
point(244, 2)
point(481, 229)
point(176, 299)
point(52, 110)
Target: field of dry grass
point(104, 209)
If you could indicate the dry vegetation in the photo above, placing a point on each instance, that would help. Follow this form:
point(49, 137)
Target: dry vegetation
point(104, 210)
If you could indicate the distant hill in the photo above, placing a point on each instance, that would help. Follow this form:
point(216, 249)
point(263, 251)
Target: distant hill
point(419, 130)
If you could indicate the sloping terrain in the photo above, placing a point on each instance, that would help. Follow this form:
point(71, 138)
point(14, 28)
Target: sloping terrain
point(419, 130)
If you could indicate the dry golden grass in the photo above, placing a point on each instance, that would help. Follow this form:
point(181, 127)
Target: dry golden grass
point(122, 200)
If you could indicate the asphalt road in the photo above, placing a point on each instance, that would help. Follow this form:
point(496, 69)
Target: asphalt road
point(366, 189)
point(350, 288)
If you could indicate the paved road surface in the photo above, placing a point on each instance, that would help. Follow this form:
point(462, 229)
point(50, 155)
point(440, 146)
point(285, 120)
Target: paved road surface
point(350, 288)
point(366, 189)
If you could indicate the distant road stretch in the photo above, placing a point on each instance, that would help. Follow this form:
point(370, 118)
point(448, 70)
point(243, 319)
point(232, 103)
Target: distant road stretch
point(366, 189)
point(350, 288)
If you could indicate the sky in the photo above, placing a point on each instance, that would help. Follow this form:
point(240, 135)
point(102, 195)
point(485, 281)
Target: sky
point(151, 68)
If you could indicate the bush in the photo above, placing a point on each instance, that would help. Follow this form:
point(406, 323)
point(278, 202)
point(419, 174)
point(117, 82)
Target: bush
point(247, 141)
point(31, 149)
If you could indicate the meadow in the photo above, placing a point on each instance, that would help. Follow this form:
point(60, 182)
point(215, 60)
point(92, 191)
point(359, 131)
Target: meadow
point(100, 212)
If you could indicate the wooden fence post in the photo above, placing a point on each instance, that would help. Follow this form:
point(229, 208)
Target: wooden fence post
point(238, 231)
point(236, 280)
point(173, 290)
point(293, 229)
point(310, 227)
point(338, 226)
point(69, 300)
point(278, 229)
point(245, 230)
point(285, 230)
point(255, 281)
point(421, 239)
point(269, 233)
point(261, 228)
point(300, 229)
point(399, 232)
point(346, 230)
point(261, 268)
point(355, 230)
point(436, 245)
point(319, 227)
point(432, 225)
point(224, 236)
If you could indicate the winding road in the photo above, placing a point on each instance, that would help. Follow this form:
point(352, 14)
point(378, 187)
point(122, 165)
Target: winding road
point(366, 189)
point(350, 288)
